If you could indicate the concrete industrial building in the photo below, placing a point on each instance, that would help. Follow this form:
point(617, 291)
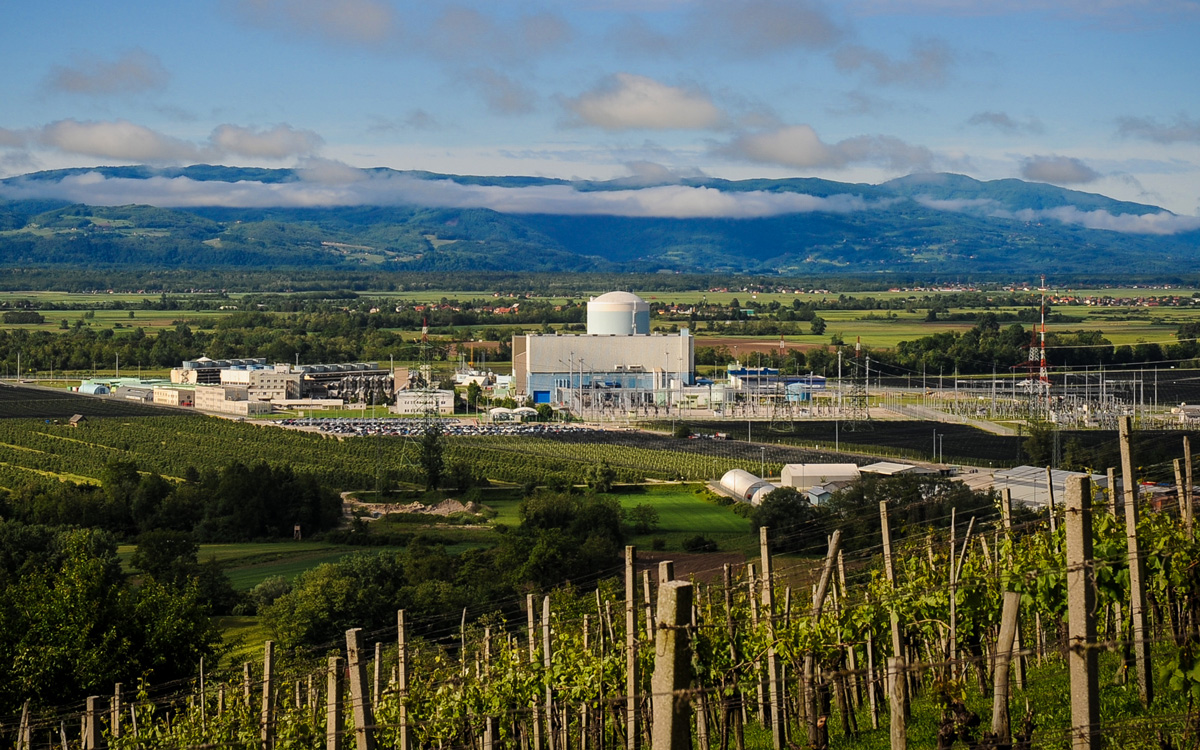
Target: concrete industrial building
point(264, 383)
point(418, 402)
point(229, 399)
point(618, 364)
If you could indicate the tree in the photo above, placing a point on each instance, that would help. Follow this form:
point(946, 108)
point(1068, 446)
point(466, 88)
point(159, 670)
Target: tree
point(796, 525)
point(600, 477)
point(643, 518)
point(168, 556)
point(474, 392)
point(817, 326)
point(71, 625)
point(432, 460)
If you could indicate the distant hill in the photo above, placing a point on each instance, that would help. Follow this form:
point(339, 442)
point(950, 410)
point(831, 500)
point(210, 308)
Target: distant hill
point(933, 224)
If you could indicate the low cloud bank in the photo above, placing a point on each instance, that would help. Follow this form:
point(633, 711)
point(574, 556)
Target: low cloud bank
point(668, 201)
point(1161, 223)
point(325, 184)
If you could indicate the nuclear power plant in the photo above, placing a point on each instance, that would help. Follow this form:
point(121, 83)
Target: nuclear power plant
point(617, 366)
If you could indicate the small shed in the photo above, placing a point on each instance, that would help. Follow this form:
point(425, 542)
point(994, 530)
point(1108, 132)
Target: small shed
point(76, 420)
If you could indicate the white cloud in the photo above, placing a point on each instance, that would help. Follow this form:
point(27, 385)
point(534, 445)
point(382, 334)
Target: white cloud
point(1182, 130)
point(1160, 223)
point(126, 141)
point(1058, 170)
point(134, 72)
point(118, 139)
point(928, 64)
point(346, 21)
point(326, 183)
point(673, 201)
point(278, 142)
point(626, 102)
point(799, 146)
point(12, 138)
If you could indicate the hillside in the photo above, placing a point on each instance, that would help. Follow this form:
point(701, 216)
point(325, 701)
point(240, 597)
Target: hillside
point(414, 221)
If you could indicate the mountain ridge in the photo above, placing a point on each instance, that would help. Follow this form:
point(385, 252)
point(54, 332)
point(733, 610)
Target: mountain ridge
point(922, 223)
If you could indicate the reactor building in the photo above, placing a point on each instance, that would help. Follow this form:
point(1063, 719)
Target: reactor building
point(617, 365)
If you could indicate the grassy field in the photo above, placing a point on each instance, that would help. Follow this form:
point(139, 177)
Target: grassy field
point(250, 563)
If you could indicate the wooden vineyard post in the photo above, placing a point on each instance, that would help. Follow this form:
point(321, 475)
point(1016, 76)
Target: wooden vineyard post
point(631, 707)
point(953, 635)
point(1187, 475)
point(364, 720)
point(377, 677)
point(1179, 485)
point(1050, 500)
point(872, 683)
point(91, 723)
point(246, 683)
point(114, 714)
point(530, 623)
point(24, 732)
point(890, 573)
point(547, 656)
point(491, 732)
point(1009, 615)
point(812, 707)
point(672, 668)
point(1081, 620)
point(1006, 516)
point(898, 698)
point(733, 710)
point(402, 679)
point(267, 734)
point(1137, 581)
point(768, 601)
point(334, 723)
point(647, 601)
point(852, 652)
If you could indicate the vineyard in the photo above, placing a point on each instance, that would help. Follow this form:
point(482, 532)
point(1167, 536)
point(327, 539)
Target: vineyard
point(37, 450)
point(1076, 629)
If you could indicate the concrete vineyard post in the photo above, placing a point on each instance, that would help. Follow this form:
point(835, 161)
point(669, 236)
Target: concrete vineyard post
point(364, 720)
point(672, 668)
point(1081, 619)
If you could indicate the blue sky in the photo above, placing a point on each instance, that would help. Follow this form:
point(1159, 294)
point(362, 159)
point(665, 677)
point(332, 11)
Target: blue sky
point(1095, 96)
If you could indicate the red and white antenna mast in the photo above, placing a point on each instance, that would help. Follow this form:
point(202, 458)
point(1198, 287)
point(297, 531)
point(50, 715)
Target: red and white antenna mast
point(1043, 372)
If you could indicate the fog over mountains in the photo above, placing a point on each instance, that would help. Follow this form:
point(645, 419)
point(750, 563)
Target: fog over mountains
point(328, 214)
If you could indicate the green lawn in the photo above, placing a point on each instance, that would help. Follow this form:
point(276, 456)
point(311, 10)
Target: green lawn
point(248, 564)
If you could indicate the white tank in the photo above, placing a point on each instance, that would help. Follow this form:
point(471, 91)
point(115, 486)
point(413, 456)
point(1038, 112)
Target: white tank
point(618, 314)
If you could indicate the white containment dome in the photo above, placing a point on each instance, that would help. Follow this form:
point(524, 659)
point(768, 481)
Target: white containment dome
point(618, 314)
point(746, 486)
